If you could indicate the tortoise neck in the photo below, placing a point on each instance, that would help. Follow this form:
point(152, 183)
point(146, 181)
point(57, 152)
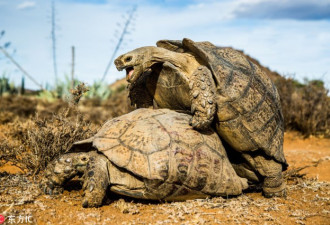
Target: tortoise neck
point(183, 61)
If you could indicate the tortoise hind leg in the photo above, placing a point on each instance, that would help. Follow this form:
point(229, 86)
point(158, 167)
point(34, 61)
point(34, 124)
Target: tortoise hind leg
point(202, 95)
point(96, 180)
point(273, 183)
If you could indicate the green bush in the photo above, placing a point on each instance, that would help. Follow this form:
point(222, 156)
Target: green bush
point(6, 87)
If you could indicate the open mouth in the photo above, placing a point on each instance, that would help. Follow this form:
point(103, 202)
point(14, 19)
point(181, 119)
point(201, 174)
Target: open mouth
point(129, 73)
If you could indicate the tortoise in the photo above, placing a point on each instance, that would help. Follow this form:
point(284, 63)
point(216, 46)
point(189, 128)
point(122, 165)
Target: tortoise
point(220, 87)
point(147, 154)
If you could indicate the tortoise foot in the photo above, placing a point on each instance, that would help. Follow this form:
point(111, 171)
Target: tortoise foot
point(270, 192)
point(96, 181)
point(274, 186)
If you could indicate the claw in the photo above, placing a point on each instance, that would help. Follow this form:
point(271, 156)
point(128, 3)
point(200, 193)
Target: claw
point(195, 94)
point(191, 84)
point(85, 204)
point(194, 124)
point(193, 108)
point(203, 103)
point(91, 187)
point(209, 113)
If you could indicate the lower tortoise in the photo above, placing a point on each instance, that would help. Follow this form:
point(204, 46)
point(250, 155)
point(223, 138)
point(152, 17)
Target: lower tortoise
point(147, 154)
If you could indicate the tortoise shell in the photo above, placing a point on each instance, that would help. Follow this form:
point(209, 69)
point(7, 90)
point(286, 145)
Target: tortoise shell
point(173, 161)
point(249, 115)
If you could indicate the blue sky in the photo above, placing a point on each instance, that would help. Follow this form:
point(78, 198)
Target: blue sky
point(290, 37)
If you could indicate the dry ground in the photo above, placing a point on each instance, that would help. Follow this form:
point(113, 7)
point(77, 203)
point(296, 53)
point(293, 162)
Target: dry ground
point(308, 200)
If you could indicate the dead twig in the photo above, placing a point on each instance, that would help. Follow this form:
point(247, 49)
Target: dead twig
point(295, 172)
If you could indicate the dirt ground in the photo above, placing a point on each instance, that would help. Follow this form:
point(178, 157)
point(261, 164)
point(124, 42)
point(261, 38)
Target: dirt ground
point(308, 200)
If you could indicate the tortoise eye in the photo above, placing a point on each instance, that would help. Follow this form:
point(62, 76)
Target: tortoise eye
point(129, 58)
point(84, 158)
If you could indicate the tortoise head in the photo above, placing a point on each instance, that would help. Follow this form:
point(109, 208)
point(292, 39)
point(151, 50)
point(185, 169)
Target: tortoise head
point(136, 62)
point(141, 61)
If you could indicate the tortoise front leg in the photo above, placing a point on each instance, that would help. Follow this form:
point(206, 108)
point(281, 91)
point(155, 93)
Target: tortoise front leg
point(96, 177)
point(202, 94)
point(96, 180)
point(61, 170)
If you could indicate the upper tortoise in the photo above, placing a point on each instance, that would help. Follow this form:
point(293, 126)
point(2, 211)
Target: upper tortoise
point(147, 154)
point(219, 86)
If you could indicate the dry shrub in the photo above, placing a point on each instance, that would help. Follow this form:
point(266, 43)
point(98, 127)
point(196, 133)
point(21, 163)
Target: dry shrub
point(38, 141)
point(306, 107)
point(35, 142)
point(54, 137)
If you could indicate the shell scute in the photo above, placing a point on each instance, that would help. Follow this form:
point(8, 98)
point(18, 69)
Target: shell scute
point(258, 117)
point(248, 102)
point(177, 129)
point(119, 155)
point(139, 165)
point(146, 136)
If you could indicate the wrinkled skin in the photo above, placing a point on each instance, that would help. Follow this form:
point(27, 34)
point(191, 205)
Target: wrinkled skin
point(165, 72)
point(93, 167)
point(209, 82)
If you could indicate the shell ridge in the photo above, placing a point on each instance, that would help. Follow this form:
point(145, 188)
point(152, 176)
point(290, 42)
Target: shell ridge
point(265, 90)
point(266, 124)
point(236, 112)
point(107, 149)
point(138, 150)
point(218, 153)
point(168, 133)
point(278, 156)
point(129, 124)
point(129, 161)
point(245, 91)
point(246, 134)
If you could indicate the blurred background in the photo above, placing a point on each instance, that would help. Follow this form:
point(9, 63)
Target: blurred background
point(50, 47)
point(55, 54)
point(55, 40)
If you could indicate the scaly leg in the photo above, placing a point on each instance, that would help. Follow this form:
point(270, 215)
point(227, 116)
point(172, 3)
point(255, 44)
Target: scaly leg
point(94, 167)
point(273, 183)
point(202, 93)
point(96, 180)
